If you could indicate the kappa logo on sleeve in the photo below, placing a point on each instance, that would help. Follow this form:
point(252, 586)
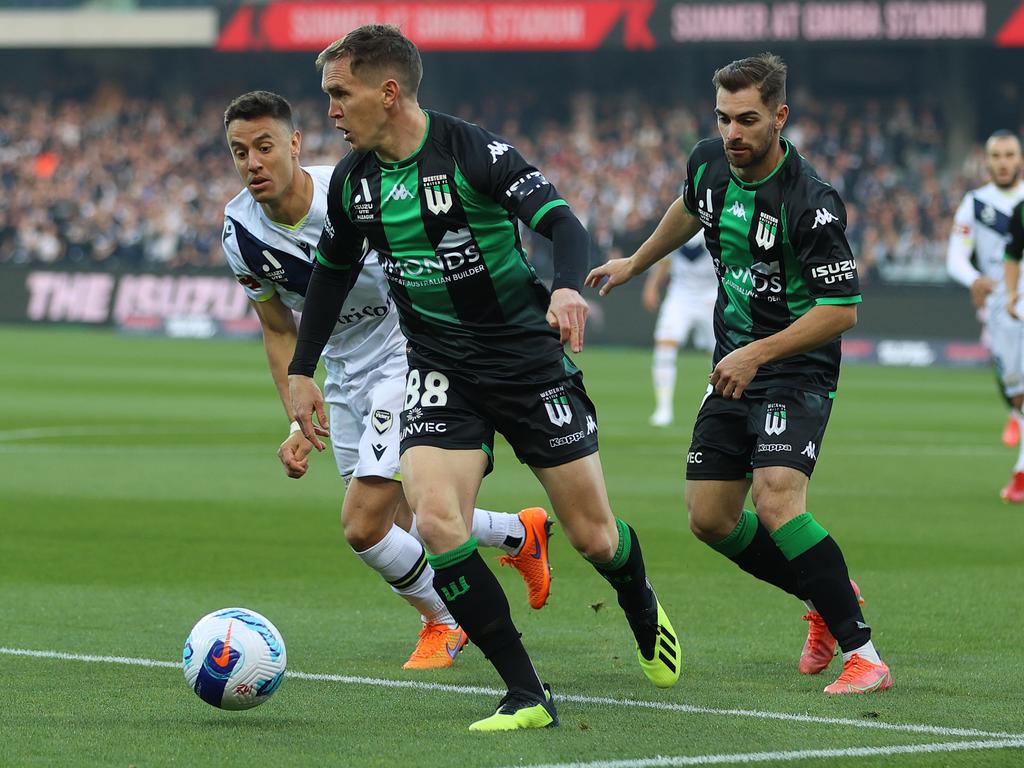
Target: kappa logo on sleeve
point(497, 149)
point(823, 216)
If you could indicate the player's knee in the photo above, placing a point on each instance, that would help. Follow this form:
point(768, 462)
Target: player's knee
point(707, 526)
point(363, 532)
point(596, 544)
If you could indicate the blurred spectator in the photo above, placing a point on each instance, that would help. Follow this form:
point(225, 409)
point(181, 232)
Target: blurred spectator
point(127, 182)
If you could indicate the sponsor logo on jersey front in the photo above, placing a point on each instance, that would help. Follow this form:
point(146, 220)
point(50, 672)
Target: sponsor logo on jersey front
point(706, 210)
point(823, 216)
point(775, 419)
point(272, 268)
point(760, 279)
point(767, 226)
point(362, 203)
point(456, 258)
point(437, 193)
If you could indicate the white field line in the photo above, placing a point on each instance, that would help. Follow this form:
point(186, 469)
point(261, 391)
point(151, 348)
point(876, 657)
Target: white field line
point(598, 700)
point(798, 754)
point(114, 430)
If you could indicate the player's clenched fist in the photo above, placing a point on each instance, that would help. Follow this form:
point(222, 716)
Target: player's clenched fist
point(294, 454)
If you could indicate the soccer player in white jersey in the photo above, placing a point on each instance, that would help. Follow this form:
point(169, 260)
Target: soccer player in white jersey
point(688, 309)
point(271, 230)
point(981, 226)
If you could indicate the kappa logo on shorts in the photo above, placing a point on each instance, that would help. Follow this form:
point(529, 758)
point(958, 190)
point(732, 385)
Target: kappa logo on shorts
point(811, 451)
point(591, 425)
point(775, 420)
point(382, 421)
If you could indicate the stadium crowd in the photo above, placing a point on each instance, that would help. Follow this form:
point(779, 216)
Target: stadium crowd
point(128, 182)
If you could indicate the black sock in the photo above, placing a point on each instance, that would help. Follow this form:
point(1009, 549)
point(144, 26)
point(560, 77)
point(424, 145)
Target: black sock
point(627, 575)
point(474, 597)
point(824, 579)
point(752, 548)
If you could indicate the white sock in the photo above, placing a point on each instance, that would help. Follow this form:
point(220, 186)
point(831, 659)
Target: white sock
point(663, 373)
point(866, 652)
point(400, 560)
point(498, 529)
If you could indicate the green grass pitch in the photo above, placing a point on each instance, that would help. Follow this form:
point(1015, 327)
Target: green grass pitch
point(139, 489)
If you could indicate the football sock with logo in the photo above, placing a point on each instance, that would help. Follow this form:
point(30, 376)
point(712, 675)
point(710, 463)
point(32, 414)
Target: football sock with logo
point(400, 560)
point(628, 577)
point(498, 529)
point(663, 373)
point(475, 599)
point(824, 579)
point(751, 547)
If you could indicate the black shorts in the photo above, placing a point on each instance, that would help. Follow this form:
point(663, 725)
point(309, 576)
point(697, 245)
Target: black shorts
point(547, 424)
point(774, 427)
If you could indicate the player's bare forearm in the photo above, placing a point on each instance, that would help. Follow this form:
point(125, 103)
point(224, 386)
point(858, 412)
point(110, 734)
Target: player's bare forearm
point(279, 334)
point(820, 325)
point(1011, 276)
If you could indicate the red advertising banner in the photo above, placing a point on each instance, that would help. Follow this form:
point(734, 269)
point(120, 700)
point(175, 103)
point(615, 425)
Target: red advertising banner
point(448, 26)
point(584, 25)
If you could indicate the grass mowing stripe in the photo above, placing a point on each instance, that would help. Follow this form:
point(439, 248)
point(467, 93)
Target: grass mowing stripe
point(609, 701)
point(799, 754)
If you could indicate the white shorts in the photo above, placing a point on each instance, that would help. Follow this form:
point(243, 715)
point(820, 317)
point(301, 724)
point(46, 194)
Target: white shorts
point(1006, 337)
point(682, 314)
point(364, 417)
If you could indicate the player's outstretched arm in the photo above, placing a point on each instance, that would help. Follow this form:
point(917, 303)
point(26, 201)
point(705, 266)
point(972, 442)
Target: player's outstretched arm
point(676, 227)
point(279, 333)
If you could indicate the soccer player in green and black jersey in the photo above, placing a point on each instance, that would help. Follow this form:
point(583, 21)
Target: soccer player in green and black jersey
point(787, 289)
point(438, 201)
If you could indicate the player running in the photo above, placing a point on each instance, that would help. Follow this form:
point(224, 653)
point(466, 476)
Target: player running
point(981, 227)
point(687, 309)
point(787, 289)
point(438, 200)
point(271, 229)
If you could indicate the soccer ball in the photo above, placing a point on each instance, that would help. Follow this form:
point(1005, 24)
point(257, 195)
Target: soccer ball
point(234, 658)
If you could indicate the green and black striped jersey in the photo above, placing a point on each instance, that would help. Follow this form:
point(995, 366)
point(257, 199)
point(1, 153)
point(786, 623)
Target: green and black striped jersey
point(443, 223)
point(779, 247)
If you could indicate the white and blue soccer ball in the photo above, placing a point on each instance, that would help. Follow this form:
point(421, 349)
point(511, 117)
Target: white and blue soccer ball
point(234, 659)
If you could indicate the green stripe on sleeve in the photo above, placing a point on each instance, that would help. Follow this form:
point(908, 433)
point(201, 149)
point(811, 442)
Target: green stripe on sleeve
point(330, 264)
point(540, 214)
point(840, 300)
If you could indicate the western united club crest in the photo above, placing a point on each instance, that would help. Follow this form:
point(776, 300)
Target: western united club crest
point(437, 194)
point(556, 403)
point(775, 420)
point(767, 226)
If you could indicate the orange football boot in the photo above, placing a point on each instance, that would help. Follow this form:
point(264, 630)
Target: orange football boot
point(820, 646)
point(532, 560)
point(437, 647)
point(861, 676)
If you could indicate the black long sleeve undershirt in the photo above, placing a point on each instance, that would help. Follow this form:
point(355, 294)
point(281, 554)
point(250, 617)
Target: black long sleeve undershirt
point(328, 288)
point(570, 248)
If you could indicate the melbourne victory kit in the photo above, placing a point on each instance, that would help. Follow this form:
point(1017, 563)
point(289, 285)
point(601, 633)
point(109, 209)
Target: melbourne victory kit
point(365, 355)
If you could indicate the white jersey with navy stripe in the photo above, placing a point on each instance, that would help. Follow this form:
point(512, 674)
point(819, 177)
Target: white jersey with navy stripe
point(691, 270)
point(268, 258)
point(981, 226)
